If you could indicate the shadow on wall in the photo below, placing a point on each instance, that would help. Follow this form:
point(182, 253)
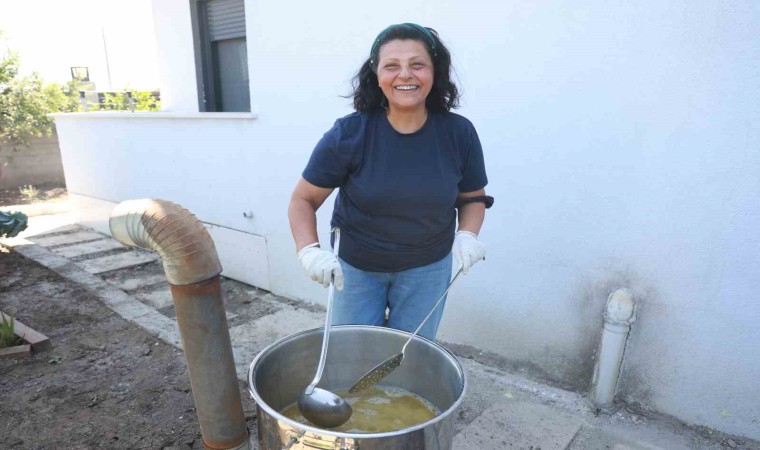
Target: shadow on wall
point(38, 163)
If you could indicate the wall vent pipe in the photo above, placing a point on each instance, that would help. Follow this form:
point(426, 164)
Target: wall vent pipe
point(192, 268)
point(618, 317)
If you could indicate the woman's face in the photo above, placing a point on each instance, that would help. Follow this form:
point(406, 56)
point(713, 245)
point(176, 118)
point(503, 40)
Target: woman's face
point(405, 74)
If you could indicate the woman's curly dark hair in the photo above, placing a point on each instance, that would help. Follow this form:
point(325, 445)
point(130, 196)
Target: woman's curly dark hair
point(444, 95)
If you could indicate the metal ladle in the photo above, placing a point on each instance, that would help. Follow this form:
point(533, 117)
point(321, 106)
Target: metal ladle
point(383, 369)
point(320, 406)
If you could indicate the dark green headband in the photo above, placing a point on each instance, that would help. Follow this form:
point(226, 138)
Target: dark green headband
point(420, 28)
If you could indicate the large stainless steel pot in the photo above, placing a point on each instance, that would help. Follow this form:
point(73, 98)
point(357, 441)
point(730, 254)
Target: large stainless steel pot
point(280, 372)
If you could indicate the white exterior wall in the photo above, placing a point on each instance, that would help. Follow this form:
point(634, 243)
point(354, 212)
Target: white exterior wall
point(176, 59)
point(621, 145)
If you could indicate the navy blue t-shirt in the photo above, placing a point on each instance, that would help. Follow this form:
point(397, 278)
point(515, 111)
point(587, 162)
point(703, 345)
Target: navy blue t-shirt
point(395, 206)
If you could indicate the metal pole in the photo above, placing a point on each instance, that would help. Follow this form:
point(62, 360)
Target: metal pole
point(206, 341)
point(131, 101)
point(105, 49)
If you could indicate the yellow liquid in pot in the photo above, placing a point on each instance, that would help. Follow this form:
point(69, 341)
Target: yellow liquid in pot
point(378, 410)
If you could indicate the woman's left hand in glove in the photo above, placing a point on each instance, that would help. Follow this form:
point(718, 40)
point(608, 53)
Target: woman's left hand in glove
point(467, 249)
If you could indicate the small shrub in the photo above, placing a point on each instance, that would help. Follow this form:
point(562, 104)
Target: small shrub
point(29, 192)
point(8, 337)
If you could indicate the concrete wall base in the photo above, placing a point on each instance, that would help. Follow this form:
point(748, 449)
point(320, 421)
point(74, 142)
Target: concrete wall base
point(39, 163)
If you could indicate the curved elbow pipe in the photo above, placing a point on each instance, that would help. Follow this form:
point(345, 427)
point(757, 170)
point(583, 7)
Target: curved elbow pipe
point(186, 249)
point(192, 268)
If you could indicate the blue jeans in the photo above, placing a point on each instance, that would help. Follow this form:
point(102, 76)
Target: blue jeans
point(409, 295)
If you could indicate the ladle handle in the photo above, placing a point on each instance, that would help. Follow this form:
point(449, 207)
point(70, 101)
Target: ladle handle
point(326, 335)
point(431, 310)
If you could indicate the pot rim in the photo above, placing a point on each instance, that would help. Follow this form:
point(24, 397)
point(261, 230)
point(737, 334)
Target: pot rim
point(262, 404)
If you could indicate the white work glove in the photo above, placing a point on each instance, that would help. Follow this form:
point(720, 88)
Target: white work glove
point(467, 249)
point(321, 265)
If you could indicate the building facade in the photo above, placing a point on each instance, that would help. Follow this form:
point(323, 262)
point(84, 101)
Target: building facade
point(621, 146)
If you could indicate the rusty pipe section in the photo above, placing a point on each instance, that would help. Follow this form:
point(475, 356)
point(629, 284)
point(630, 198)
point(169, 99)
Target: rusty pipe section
point(192, 268)
point(206, 340)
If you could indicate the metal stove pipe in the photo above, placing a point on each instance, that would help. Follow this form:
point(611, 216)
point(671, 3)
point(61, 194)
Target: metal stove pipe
point(192, 268)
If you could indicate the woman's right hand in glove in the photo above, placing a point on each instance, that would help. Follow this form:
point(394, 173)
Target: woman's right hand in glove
point(321, 265)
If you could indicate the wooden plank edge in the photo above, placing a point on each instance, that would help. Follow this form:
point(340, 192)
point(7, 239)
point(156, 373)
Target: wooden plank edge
point(17, 351)
point(37, 340)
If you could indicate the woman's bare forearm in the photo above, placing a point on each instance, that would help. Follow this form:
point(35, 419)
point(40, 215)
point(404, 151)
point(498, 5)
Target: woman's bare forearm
point(303, 222)
point(471, 215)
point(304, 203)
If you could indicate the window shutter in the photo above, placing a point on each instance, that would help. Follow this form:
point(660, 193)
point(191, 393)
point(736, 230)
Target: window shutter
point(226, 19)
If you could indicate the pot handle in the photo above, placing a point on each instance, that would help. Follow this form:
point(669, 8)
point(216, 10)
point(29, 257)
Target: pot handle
point(315, 442)
point(293, 440)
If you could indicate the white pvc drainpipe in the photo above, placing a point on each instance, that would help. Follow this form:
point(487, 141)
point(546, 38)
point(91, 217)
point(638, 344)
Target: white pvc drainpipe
point(618, 318)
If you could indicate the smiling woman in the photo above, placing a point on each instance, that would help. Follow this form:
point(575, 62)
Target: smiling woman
point(405, 75)
point(411, 181)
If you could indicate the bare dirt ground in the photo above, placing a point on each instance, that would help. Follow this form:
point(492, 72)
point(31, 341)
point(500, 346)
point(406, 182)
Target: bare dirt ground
point(46, 192)
point(106, 383)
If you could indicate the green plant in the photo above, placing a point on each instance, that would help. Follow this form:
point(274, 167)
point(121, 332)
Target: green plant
point(29, 192)
point(119, 101)
point(26, 101)
point(8, 336)
point(8, 66)
point(145, 101)
point(24, 107)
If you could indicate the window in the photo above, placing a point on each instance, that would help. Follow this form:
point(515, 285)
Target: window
point(221, 58)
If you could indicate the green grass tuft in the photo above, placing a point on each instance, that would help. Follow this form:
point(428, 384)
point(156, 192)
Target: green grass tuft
point(7, 336)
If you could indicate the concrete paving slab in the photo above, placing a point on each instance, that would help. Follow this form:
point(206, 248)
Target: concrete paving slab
point(171, 335)
point(159, 298)
point(519, 425)
point(645, 446)
point(65, 239)
point(61, 229)
point(130, 284)
point(88, 248)
point(120, 261)
point(134, 311)
point(38, 254)
point(619, 432)
point(48, 224)
point(162, 327)
point(162, 298)
point(487, 386)
point(250, 338)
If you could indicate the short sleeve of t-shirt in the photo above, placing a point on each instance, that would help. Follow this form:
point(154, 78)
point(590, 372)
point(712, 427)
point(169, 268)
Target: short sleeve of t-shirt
point(474, 170)
point(328, 166)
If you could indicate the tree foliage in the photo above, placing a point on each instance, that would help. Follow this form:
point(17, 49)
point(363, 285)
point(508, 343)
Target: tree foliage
point(26, 101)
point(8, 67)
point(24, 107)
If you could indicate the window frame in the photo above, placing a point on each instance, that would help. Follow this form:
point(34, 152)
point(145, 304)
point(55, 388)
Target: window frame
point(207, 79)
